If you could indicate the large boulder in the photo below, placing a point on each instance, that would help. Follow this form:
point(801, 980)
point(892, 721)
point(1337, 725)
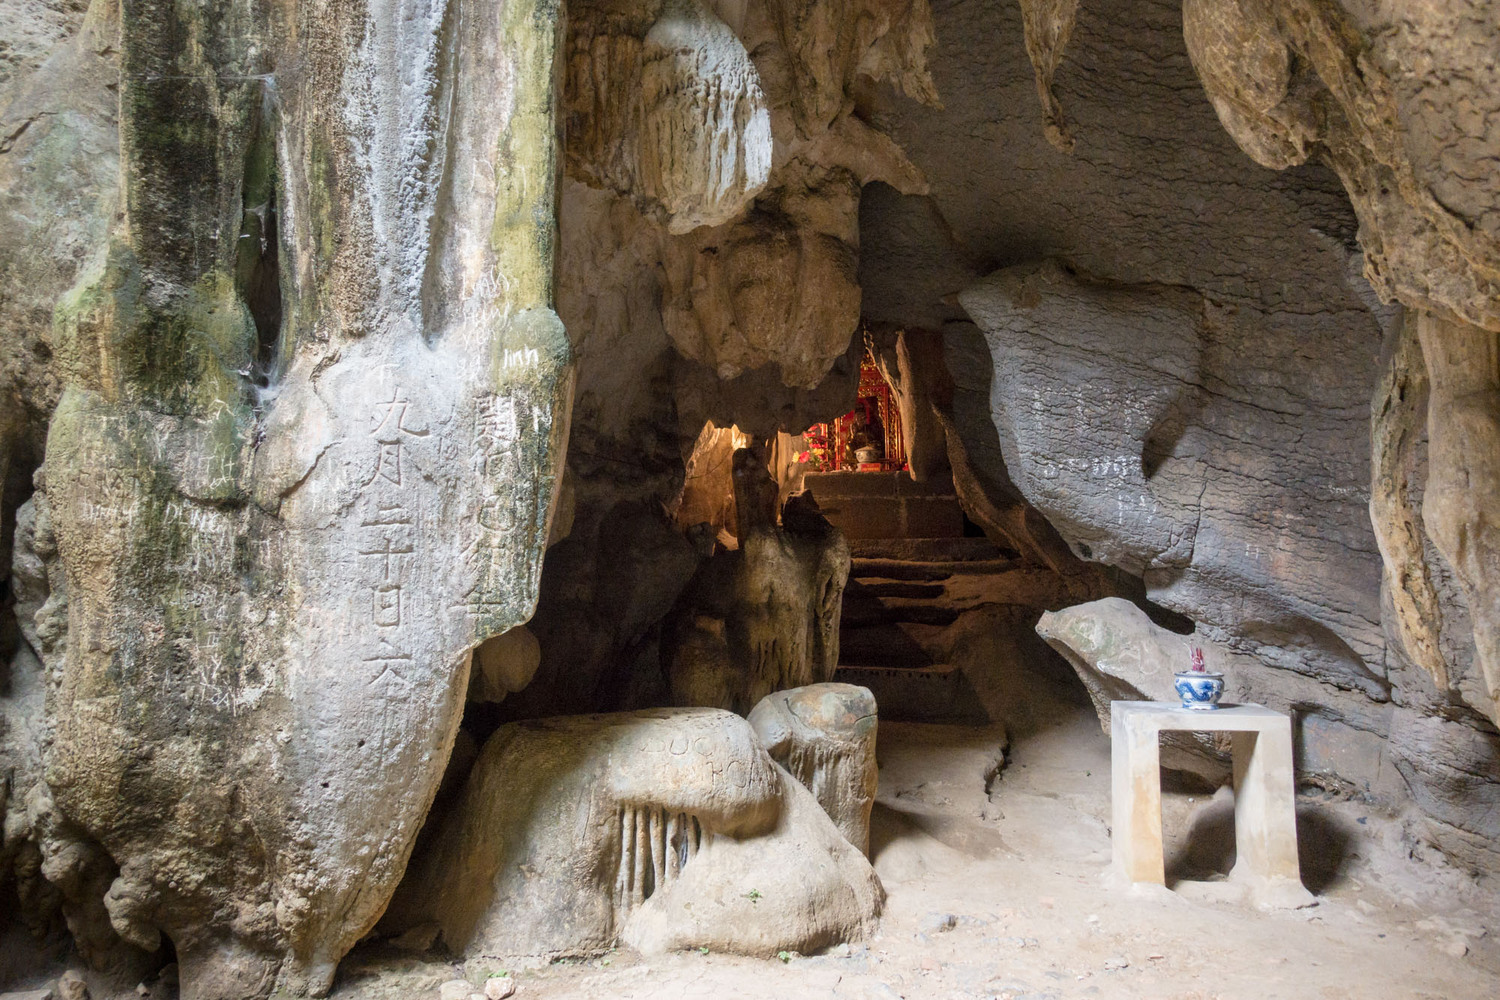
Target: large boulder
point(665, 829)
point(1126, 417)
point(824, 735)
point(1341, 737)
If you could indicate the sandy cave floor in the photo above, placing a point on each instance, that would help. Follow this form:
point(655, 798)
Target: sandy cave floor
point(997, 890)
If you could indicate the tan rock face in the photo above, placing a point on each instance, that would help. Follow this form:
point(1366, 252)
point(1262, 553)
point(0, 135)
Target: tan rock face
point(1048, 24)
point(276, 294)
point(1403, 107)
point(286, 535)
point(666, 829)
point(760, 619)
point(1461, 506)
point(824, 735)
point(1400, 104)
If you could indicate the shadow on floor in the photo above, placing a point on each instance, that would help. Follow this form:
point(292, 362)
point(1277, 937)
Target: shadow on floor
point(1325, 846)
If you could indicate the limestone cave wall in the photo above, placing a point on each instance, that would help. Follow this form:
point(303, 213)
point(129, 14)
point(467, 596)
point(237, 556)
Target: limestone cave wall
point(344, 341)
point(1207, 428)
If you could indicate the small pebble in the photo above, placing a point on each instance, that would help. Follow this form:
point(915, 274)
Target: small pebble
point(1454, 947)
point(70, 986)
point(499, 987)
point(455, 989)
point(1115, 964)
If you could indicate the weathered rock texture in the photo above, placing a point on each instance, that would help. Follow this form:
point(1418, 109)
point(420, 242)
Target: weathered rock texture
point(276, 289)
point(705, 133)
point(1048, 25)
point(824, 735)
point(312, 400)
point(1175, 350)
point(1141, 435)
point(1403, 108)
point(665, 829)
point(761, 618)
point(1402, 105)
point(59, 188)
point(1119, 654)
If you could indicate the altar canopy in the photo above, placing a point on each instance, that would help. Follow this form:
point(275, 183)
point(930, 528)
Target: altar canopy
point(874, 423)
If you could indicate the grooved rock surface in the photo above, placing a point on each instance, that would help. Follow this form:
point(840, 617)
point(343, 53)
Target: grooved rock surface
point(824, 735)
point(1235, 494)
point(313, 398)
point(1404, 106)
point(667, 829)
point(1186, 391)
point(749, 323)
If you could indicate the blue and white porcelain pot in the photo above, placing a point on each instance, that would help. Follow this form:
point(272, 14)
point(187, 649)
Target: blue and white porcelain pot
point(1200, 689)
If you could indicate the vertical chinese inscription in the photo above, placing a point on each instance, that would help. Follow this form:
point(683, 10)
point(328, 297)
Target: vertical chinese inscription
point(386, 550)
point(510, 434)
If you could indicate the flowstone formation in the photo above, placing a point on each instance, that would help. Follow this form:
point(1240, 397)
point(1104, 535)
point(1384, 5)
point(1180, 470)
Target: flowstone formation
point(763, 617)
point(314, 397)
point(664, 829)
point(824, 735)
point(715, 158)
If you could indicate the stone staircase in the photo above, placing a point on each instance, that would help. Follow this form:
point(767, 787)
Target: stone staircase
point(887, 505)
point(915, 571)
point(895, 610)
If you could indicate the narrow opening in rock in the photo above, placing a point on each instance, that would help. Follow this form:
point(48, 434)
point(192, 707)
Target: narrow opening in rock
point(258, 268)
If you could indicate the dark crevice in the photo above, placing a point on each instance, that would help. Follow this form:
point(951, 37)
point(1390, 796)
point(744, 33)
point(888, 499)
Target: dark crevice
point(436, 295)
point(258, 267)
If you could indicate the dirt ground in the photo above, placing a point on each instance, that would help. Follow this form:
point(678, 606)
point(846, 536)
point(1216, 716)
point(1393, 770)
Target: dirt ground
point(997, 889)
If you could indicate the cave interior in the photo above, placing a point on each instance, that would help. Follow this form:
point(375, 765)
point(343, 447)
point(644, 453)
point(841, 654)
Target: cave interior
point(658, 497)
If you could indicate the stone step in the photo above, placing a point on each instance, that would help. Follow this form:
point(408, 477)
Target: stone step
point(939, 693)
point(888, 644)
point(898, 569)
point(887, 505)
point(867, 609)
point(885, 587)
point(962, 549)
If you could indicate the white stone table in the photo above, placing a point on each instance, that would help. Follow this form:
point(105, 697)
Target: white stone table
point(1265, 816)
